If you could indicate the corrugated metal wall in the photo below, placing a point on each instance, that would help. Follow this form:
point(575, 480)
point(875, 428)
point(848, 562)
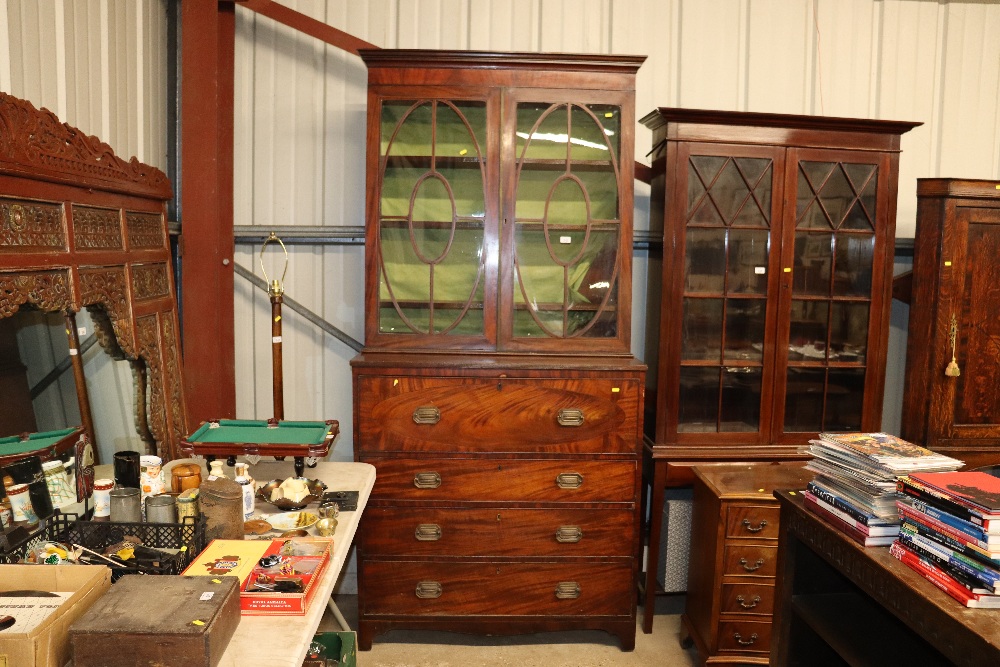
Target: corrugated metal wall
point(101, 66)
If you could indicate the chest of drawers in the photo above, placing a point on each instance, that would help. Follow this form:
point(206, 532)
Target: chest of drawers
point(734, 549)
point(506, 497)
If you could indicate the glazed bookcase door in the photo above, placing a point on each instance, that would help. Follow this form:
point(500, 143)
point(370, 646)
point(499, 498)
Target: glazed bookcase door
point(726, 212)
point(435, 237)
point(832, 275)
point(566, 271)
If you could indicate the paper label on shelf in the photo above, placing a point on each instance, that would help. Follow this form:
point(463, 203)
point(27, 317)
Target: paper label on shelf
point(759, 270)
point(207, 595)
point(275, 339)
point(81, 331)
point(73, 352)
point(565, 239)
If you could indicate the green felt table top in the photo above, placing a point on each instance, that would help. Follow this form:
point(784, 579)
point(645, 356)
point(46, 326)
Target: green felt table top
point(13, 444)
point(258, 431)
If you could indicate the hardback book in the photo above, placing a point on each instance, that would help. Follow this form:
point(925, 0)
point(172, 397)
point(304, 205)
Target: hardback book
point(848, 529)
point(943, 581)
point(910, 487)
point(988, 576)
point(874, 530)
point(973, 489)
point(889, 451)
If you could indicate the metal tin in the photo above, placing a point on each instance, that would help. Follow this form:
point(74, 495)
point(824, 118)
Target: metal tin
point(126, 505)
point(161, 509)
point(187, 505)
point(221, 501)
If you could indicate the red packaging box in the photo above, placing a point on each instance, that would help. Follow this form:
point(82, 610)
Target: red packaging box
point(282, 588)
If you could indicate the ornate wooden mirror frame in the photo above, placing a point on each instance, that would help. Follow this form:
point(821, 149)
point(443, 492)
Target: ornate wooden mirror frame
point(82, 228)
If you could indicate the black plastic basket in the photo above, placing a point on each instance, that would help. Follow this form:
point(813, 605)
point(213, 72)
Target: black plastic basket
point(182, 542)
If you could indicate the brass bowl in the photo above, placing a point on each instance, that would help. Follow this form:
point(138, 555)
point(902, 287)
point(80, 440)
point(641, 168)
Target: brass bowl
point(315, 486)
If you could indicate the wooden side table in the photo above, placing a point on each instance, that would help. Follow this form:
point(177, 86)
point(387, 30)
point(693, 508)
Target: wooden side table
point(734, 546)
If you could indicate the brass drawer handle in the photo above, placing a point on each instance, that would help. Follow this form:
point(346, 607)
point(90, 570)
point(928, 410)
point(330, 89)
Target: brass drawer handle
point(751, 568)
point(746, 524)
point(567, 590)
point(428, 590)
point(426, 414)
point(428, 532)
point(570, 417)
point(569, 480)
point(742, 602)
point(739, 639)
point(427, 480)
point(569, 534)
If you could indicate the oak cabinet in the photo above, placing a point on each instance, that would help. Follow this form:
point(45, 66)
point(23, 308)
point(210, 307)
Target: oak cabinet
point(496, 395)
point(953, 318)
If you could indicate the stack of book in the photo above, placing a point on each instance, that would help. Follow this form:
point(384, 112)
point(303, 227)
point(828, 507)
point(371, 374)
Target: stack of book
point(854, 489)
point(950, 533)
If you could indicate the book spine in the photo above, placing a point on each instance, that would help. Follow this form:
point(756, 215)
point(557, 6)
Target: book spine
point(836, 522)
point(844, 505)
point(911, 488)
point(966, 579)
point(946, 517)
point(984, 573)
point(843, 516)
point(945, 540)
point(942, 527)
point(940, 580)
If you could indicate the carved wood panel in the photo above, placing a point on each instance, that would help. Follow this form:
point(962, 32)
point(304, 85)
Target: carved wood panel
point(48, 290)
point(96, 228)
point(106, 288)
point(31, 225)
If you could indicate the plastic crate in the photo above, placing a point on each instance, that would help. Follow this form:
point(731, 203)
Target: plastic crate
point(183, 540)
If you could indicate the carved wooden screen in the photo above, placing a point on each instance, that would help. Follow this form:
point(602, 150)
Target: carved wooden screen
point(82, 228)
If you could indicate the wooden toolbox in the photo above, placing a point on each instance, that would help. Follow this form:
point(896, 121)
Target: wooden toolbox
point(168, 621)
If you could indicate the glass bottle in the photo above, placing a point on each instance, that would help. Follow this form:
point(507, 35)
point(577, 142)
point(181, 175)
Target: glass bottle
point(246, 483)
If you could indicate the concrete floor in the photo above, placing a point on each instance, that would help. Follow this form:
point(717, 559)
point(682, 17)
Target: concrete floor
point(404, 648)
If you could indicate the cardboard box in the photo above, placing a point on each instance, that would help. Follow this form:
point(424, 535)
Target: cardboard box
point(300, 562)
point(47, 643)
point(164, 620)
point(339, 646)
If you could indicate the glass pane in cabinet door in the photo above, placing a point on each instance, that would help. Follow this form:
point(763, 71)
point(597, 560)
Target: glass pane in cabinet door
point(813, 263)
point(809, 330)
point(744, 330)
point(698, 400)
point(740, 403)
point(748, 250)
point(701, 332)
point(848, 331)
point(705, 260)
point(566, 216)
point(432, 218)
point(844, 399)
point(805, 390)
point(853, 261)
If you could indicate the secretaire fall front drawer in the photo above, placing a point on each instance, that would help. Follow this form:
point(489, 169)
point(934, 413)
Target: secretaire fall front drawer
point(504, 480)
point(498, 532)
point(476, 414)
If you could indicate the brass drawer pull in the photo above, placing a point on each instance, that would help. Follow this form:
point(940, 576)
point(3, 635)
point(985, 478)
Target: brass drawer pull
point(739, 639)
point(570, 417)
point(569, 480)
point(427, 532)
point(746, 524)
point(751, 568)
point(567, 590)
point(426, 414)
point(742, 602)
point(569, 534)
point(427, 480)
point(427, 590)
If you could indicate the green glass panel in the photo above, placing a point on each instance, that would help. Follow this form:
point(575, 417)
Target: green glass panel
point(809, 330)
point(744, 330)
point(705, 265)
point(748, 250)
point(813, 263)
point(539, 186)
point(465, 184)
point(407, 129)
point(460, 130)
point(596, 132)
point(853, 261)
point(698, 400)
point(542, 131)
point(740, 403)
point(804, 399)
point(848, 331)
point(701, 333)
point(844, 399)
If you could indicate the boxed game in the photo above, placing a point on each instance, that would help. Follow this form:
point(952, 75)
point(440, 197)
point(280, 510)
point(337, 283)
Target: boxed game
point(277, 577)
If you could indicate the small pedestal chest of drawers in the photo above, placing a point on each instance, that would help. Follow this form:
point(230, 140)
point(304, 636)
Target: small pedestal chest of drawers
point(734, 550)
